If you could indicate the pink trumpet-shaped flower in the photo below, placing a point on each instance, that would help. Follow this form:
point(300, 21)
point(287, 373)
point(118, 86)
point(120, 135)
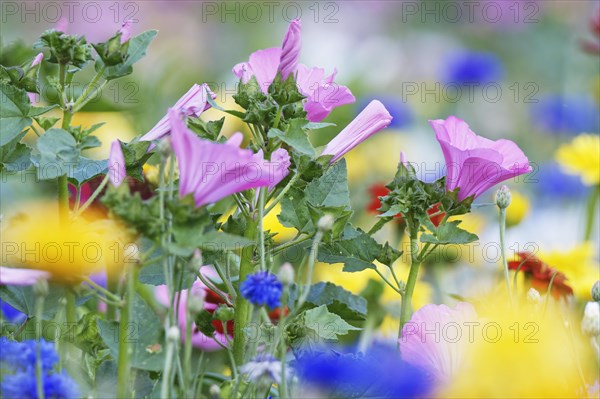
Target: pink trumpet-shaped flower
point(116, 164)
point(474, 163)
point(322, 93)
point(441, 358)
point(125, 30)
point(194, 102)
point(38, 58)
point(290, 50)
point(212, 171)
point(14, 276)
point(371, 120)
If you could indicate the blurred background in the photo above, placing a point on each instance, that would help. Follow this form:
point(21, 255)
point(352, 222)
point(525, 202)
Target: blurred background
point(522, 70)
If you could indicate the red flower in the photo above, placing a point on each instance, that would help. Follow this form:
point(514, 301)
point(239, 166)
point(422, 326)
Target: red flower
point(379, 190)
point(593, 46)
point(540, 275)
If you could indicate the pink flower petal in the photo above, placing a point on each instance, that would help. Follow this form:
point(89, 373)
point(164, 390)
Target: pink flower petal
point(15, 276)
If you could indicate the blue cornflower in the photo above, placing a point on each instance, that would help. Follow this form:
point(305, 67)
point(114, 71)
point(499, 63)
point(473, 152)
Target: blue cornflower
point(11, 314)
point(262, 288)
point(472, 67)
point(21, 356)
point(379, 373)
point(22, 385)
point(571, 114)
point(554, 183)
point(401, 113)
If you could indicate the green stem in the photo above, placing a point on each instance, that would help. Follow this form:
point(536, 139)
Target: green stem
point(81, 101)
point(261, 228)
point(502, 251)
point(242, 306)
point(94, 195)
point(282, 193)
point(123, 366)
point(406, 306)
point(312, 258)
point(591, 212)
point(278, 117)
point(39, 370)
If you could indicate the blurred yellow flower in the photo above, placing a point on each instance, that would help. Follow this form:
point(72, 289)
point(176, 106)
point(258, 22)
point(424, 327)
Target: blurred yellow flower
point(580, 266)
point(35, 238)
point(521, 352)
point(582, 157)
point(518, 208)
point(151, 173)
point(270, 222)
point(117, 126)
point(376, 157)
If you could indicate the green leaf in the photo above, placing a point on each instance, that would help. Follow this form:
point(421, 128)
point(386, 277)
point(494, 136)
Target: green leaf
point(204, 322)
point(37, 111)
point(356, 250)
point(318, 125)
point(14, 110)
point(295, 136)
point(89, 142)
point(136, 154)
point(46, 122)
point(144, 334)
point(295, 213)
point(22, 298)
point(86, 169)
point(326, 325)
point(15, 156)
point(137, 49)
point(338, 300)
point(331, 189)
point(449, 233)
point(56, 154)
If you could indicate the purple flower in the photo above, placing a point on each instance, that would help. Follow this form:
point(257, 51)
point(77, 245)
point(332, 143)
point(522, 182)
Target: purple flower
point(322, 93)
point(290, 50)
point(126, 30)
point(38, 58)
point(474, 163)
point(371, 120)
point(116, 164)
point(439, 358)
point(194, 102)
point(473, 67)
point(15, 276)
point(262, 288)
point(212, 171)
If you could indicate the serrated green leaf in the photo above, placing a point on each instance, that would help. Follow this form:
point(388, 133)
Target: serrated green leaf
point(331, 189)
point(326, 325)
point(295, 213)
point(137, 49)
point(14, 111)
point(295, 136)
point(56, 154)
point(86, 169)
point(22, 298)
point(338, 300)
point(15, 156)
point(449, 233)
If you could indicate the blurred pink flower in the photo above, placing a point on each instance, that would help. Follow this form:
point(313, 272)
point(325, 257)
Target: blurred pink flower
point(212, 171)
point(322, 93)
point(474, 163)
point(126, 30)
point(435, 337)
point(194, 102)
point(211, 303)
point(38, 58)
point(116, 164)
point(372, 119)
point(15, 276)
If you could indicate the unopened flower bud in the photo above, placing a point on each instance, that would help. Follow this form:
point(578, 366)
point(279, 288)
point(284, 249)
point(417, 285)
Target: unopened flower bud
point(286, 274)
point(596, 291)
point(195, 300)
point(590, 324)
point(164, 147)
point(40, 288)
point(325, 223)
point(503, 197)
point(214, 391)
point(533, 296)
point(196, 262)
point(173, 334)
point(224, 313)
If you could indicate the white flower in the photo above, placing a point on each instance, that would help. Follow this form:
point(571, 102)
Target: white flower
point(263, 367)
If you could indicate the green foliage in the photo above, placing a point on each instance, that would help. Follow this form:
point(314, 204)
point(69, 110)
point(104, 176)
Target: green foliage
point(449, 233)
point(136, 50)
point(295, 136)
point(285, 92)
point(23, 299)
point(14, 112)
point(338, 300)
point(323, 324)
point(66, 49)
point(112, 52)
point(15, 156)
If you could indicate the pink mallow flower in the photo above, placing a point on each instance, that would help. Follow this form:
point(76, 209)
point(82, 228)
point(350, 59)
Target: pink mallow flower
point(116, 164)
point(435, 338)
point(371, 120)
point(211, 301)
point(473, 163)
point(322, 93)
point(212, 171)
point(125, 30)
point(193, 103)
point(15, 276)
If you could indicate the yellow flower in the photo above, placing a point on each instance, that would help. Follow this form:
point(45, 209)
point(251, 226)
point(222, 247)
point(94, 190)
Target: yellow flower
point(582, 157)
point(35, 238)
point(271, 222)
point(518, 208)
point(376, 157)
point(521, 352)
point(578, 264)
